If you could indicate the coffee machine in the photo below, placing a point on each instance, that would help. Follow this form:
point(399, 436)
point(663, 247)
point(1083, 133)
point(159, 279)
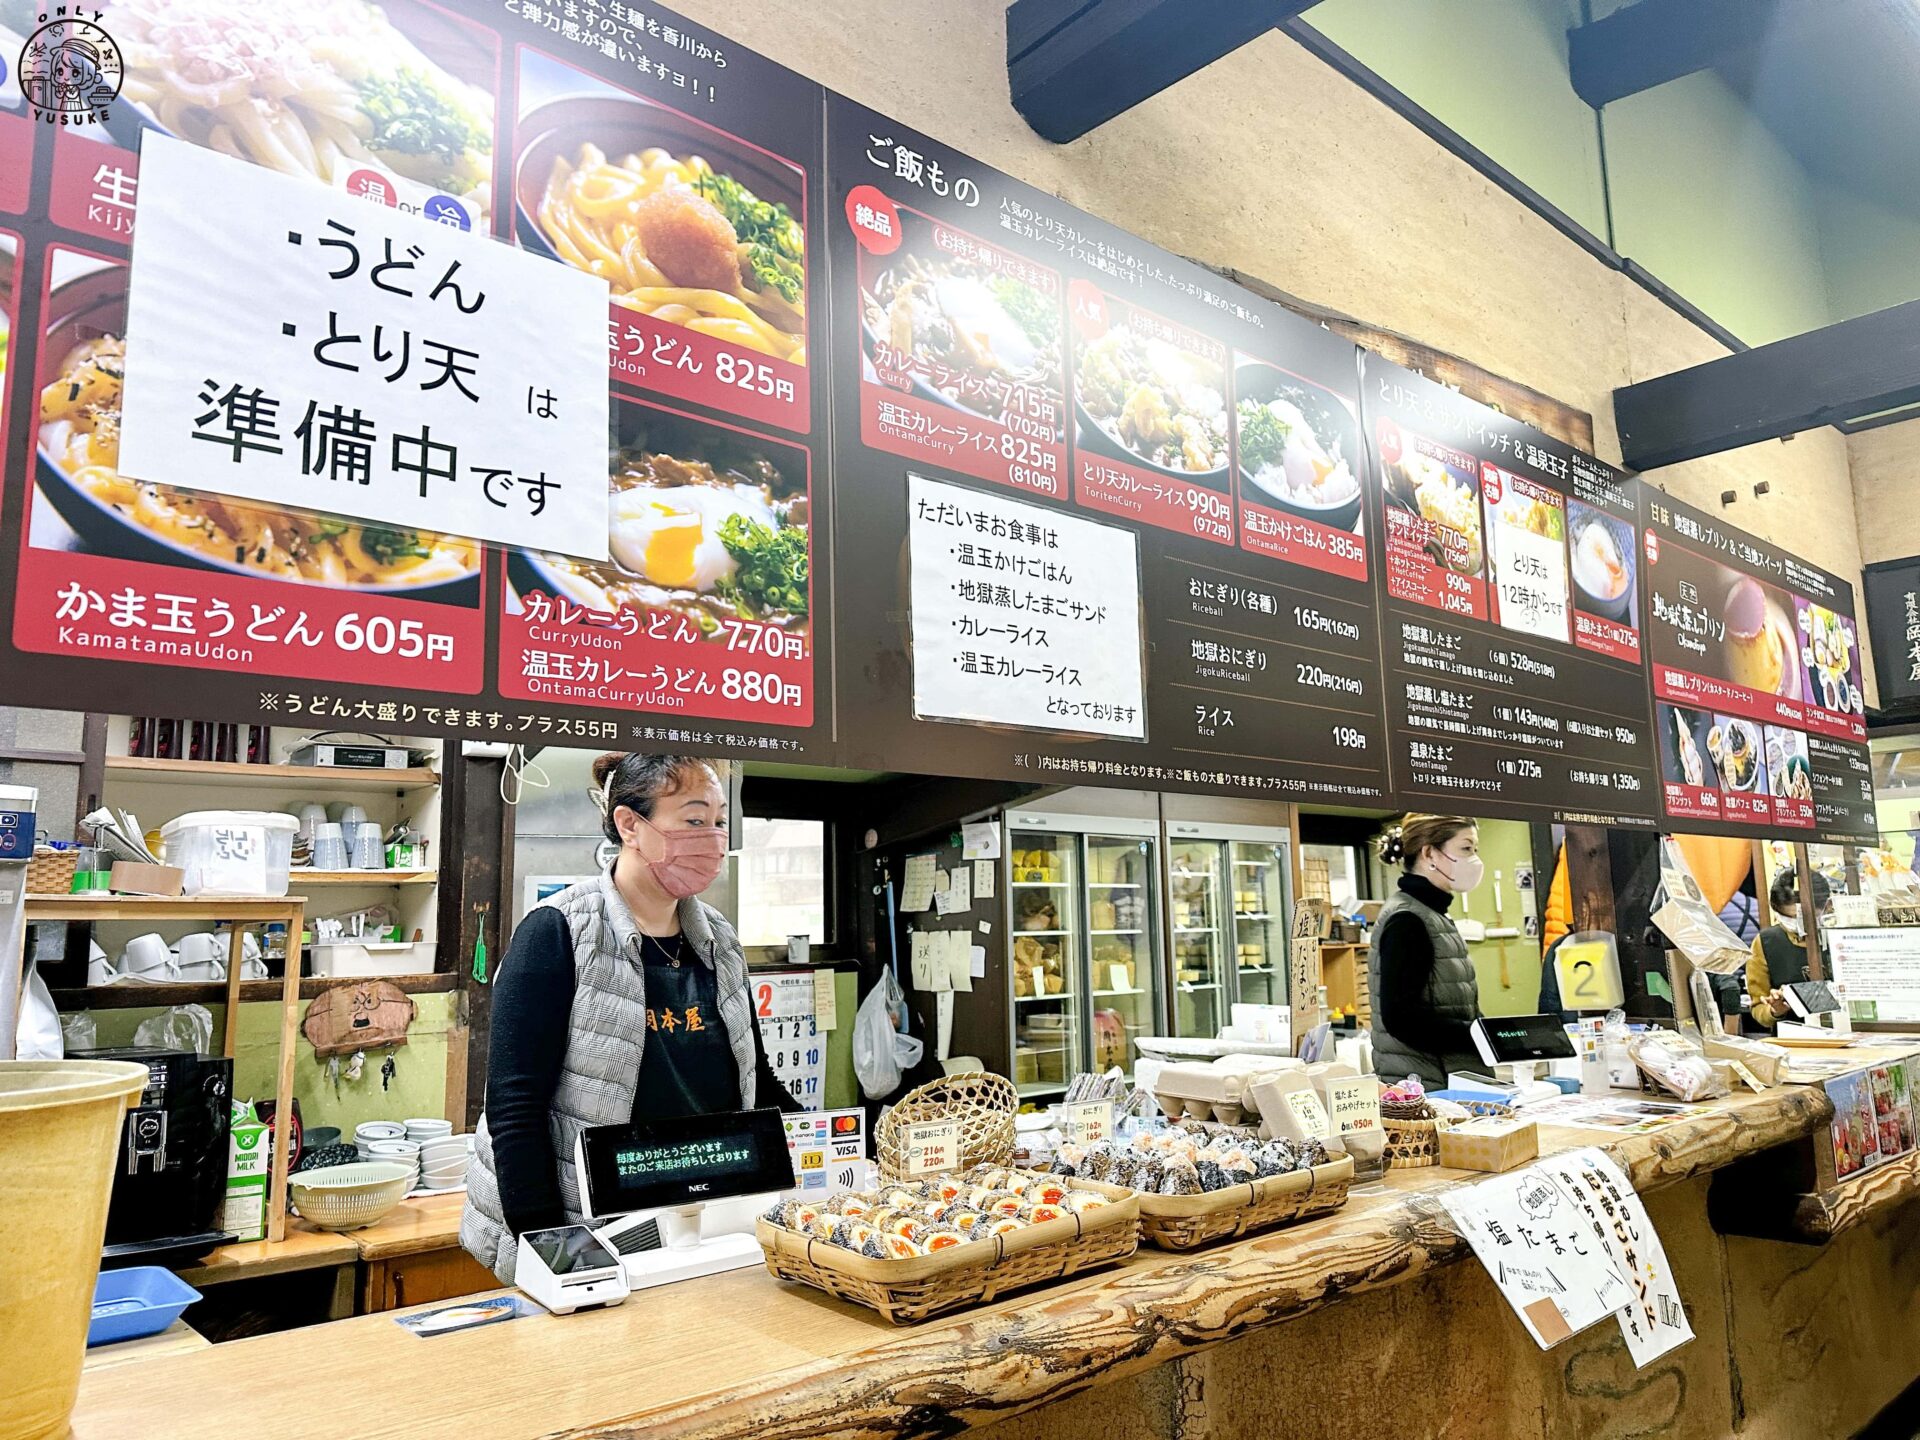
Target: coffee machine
point(170, 1171)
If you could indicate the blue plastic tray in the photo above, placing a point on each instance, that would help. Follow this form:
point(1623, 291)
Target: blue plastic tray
point(142, 1300)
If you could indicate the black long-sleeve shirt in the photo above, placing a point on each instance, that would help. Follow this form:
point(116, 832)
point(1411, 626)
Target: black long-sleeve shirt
point(1406, 965)
point(686, 1065)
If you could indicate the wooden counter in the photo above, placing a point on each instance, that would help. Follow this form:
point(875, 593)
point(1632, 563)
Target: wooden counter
point(742, 1357)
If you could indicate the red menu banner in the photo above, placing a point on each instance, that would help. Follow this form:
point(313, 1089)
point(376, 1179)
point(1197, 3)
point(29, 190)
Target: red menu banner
point(1754, 664)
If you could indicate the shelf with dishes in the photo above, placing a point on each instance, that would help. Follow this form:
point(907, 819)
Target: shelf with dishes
point(151, 770)
point(363, 877)
point(154, 994)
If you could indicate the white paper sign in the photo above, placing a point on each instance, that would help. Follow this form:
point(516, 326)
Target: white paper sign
point(295, 347)
point(1547, 1258)
point(1073, 581)
point(958, 895)
point(932, 1146)
point(1088, 1123)
point(796, 1047)
point(1881, 965)
point(1568, 1241)
point(1527, 545)
point(958, 956)
point(980, 840)
point(826, 1000)
point(983, 879)
point(916, 889)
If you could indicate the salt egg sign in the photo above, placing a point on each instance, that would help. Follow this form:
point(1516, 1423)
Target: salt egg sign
point(290, 344)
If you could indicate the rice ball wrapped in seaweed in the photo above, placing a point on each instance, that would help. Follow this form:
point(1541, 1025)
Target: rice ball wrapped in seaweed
point(1004, 1204)
point(1181, 1177)
point(1312, 1152)
point(1005, 1225)
point(1124, 1171)
point(1042, 1212)
point(1211, 1176)
point(1274, 1158)
point(1100, 1161)
point(1081, 1201)
point(798, 1214)
point(1147, 1178)
point(898, 1247)
point(1068, 1159)
point(941, 1237)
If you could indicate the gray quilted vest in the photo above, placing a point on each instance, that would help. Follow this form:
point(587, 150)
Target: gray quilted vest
point(607, 1028)
point(1453, 991)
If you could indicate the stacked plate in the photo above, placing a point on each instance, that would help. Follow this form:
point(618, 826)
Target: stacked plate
point(444, 1161)
point(398, 1152)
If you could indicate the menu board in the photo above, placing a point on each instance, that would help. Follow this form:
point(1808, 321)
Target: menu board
point(1754, 658)
point(910, 466)
point(1110, 508)
point(1508, 611)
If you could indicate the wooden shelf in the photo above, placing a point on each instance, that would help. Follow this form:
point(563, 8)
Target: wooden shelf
point(163, 907)
point(365, 877)
point(214, 992)
point(290, 777)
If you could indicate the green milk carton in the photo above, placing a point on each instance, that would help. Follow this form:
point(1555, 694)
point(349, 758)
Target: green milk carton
point(243, 1212)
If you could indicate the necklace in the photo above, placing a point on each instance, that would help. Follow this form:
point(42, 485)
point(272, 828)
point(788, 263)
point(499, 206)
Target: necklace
point(668, 948)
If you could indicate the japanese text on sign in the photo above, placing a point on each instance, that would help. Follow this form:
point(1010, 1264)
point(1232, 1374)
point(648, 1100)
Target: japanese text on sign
point(349, 361)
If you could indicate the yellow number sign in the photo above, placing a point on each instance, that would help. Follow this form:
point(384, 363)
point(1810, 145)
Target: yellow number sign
point(1589, 973)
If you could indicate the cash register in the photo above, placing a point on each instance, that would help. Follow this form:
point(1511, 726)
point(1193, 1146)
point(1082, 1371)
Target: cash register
point(676, 1198)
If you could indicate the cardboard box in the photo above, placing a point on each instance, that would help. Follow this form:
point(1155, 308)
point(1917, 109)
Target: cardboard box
point(1490, 1144)
point(243, 1210)
point(132, 878)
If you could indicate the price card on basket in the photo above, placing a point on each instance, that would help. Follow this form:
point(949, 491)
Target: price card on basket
point(783, 1007)
point(1353, 1104)
point(1087, 1123)
point(932, 1146)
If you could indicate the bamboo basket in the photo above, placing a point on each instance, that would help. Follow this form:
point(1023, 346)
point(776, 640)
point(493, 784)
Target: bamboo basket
point(1186, 1222)
point(983, 1104)
point(976, 1273)
point(50, 872)
point(1411, 1143)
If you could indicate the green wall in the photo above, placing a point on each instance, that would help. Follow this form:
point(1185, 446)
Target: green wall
point(420, 1074)
point(1493, 71)
point(1682, 178)
point(1506, 846)
point(1872, 254)
point(1708, 200)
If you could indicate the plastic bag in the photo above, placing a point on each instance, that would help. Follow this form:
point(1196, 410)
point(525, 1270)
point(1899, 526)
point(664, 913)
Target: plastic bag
point(1676, 1066)
point(78, 1031)
point(38, 1037)
point(184, 1027)
point(882, 1054)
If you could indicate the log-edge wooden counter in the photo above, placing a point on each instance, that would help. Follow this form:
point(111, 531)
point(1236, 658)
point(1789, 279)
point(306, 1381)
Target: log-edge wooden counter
point(743, 1357)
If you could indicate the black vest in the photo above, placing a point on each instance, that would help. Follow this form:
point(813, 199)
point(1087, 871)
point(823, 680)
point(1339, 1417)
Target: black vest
point(1453, 991)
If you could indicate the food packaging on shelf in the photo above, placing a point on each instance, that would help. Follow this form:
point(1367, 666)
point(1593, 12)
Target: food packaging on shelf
point(1766, 1061)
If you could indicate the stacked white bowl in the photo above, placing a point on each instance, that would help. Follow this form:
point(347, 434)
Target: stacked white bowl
point(443, 1163)
point(400, 1152)
point(368, 1131)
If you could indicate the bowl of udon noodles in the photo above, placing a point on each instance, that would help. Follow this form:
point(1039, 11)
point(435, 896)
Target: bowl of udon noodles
point(710, 524)
point(685, 223)
point(315, 88)
point(78, 471)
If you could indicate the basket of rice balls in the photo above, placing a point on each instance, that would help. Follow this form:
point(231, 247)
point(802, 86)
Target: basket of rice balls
point(1201, 1183)
point(920, 1247)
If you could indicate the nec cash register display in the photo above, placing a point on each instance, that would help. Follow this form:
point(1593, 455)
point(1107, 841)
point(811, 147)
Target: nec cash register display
point(1514, 1039)
point(650, 1164)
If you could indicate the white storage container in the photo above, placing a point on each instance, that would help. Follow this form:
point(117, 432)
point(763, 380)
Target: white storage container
point(358, 959)
point(230, 852)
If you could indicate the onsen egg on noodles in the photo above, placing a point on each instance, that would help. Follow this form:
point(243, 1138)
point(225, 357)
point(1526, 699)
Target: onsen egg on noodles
point(670, 534)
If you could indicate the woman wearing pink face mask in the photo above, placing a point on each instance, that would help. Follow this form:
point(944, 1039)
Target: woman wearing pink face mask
point(621, 998)
point(1424, 989)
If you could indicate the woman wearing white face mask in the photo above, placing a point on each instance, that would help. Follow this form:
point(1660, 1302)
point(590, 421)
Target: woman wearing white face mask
point(621, 998)
point(1780, 951)
point(1425, 992)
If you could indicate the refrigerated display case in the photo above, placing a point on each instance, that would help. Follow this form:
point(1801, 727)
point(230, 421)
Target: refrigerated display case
point(1227, 902)
point(1083, 914)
